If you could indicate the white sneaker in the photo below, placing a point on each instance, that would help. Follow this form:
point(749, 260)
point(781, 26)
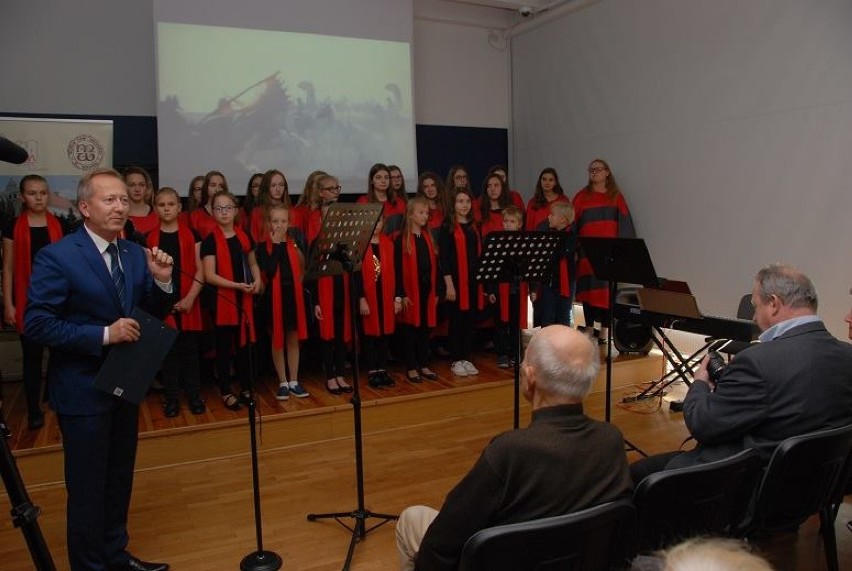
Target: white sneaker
point(459, 369)
point(471, 370)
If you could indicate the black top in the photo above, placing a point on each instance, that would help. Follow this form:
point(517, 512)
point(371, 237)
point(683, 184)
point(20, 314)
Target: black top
point(239, 263)
point(39, 238)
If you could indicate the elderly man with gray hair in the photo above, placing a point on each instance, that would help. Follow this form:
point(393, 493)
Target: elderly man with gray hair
point(561, 463)
point(798, 379)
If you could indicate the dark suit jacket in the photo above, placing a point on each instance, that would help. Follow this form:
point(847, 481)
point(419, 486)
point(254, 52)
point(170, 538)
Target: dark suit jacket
point(797, 383)
point(71, 299)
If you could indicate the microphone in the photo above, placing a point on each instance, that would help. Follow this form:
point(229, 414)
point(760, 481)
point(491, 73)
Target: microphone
point(12, 153)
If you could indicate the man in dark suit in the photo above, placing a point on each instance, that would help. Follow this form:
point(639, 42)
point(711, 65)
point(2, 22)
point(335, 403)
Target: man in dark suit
point(82, 289)
point(562, 462)
point(798, 379)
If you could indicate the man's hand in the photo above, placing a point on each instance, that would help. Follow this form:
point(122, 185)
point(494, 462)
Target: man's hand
point(124, 330)
point(160, 264)
point(701, 373)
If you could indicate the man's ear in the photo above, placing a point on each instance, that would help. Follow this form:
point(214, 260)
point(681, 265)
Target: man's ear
point(83, 207)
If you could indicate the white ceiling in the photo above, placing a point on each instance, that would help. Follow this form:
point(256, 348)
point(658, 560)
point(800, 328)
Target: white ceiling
point(513, 5)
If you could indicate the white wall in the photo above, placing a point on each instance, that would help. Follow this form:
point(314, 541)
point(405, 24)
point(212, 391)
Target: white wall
point(61, 57)
point(727, 123)
point(459, 77)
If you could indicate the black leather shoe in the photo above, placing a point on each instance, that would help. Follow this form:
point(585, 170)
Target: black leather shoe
point(172, 408)
point(375, 380)
point(138, 565)
point(386, 379)
point(196, 405)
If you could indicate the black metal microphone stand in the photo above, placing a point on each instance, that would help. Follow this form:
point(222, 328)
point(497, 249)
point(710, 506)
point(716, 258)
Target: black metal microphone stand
point(260, 559)
point(24, 513)
point(343, 240)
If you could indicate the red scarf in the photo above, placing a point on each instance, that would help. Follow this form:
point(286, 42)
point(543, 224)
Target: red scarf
point(463, 287)
point(411, 284)
point(503, 293)
point(277, 301)
point(388, 278)
point(190, 321)
point(23, 264)
point(325, 285)
point(226, 300)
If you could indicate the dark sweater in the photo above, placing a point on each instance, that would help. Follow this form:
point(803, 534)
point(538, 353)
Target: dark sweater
point(563, 462)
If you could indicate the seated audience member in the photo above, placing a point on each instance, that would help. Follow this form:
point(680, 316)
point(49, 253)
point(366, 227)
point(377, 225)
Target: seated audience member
point(562, 463)
point(703, 554)
point(798, 379)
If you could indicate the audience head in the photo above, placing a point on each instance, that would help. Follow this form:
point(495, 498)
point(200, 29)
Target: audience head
point(601, 174)
point(712, 554)
point(781, 292)
point(559, 366)
point(548, 182)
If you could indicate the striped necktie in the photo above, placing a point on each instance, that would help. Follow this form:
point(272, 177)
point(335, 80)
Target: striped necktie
point(117, 273)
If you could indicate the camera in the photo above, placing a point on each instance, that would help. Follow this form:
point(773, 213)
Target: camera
point(715, 366)
point(525, 11)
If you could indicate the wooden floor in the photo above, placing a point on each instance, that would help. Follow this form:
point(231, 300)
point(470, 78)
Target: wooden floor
point(419, 440)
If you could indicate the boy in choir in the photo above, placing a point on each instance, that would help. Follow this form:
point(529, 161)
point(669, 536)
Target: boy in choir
point(282, 263)
point(556, 296)
point(33, 229)
point(513, 220)
point(183, 244)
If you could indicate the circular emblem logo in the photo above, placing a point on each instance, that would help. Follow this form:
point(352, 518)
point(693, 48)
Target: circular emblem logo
point(85, 152)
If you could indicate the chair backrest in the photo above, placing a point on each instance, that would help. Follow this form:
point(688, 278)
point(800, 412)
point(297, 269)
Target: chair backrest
point(705, 499)
point(745, 310)
point(594, 539)
point(802, 478)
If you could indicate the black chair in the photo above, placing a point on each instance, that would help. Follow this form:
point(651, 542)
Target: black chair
point(707, 499)
point(802, 479)
point(594, 539)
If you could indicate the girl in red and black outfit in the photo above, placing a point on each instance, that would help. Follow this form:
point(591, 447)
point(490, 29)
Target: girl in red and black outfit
point(459, 246)
point(417, 283)
point(378, 305)
point(282, 264)
point(599, 210)
point(273, 190)
point(431, 187)
point(139, 189)
point(201, 219)
point(547, 190)
point(33, 229)
point(332, 308)
point(379, 190)
point(231, 268)
point(251, 201)
point(183, 244)
point(308, 210)
point(489, 208)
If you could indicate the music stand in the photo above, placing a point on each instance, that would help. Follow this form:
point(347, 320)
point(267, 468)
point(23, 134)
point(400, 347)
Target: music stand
point(618, 260)
point(517, 257)
point(343, 239)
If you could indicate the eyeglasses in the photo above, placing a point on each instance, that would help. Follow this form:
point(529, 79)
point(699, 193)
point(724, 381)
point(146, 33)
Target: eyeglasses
point(596, 170)
point(224, 209)
point(332, 188)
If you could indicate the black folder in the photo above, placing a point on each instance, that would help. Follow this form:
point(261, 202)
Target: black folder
point(129, 369)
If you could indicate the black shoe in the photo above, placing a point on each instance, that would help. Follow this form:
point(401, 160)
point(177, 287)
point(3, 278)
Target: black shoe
point(375, 380)
point(386, 379)
point(138, 565)
point(196, 405)
point(171, 408)
point(35, 420)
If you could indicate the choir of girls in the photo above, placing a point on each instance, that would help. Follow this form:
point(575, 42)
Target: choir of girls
point(239, 273)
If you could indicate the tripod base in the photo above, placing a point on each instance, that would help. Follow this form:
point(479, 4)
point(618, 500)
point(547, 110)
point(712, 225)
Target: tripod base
point(359, 530)
point(261, 561)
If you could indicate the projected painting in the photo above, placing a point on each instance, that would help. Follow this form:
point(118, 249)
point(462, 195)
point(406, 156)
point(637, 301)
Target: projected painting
point(244, 101)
